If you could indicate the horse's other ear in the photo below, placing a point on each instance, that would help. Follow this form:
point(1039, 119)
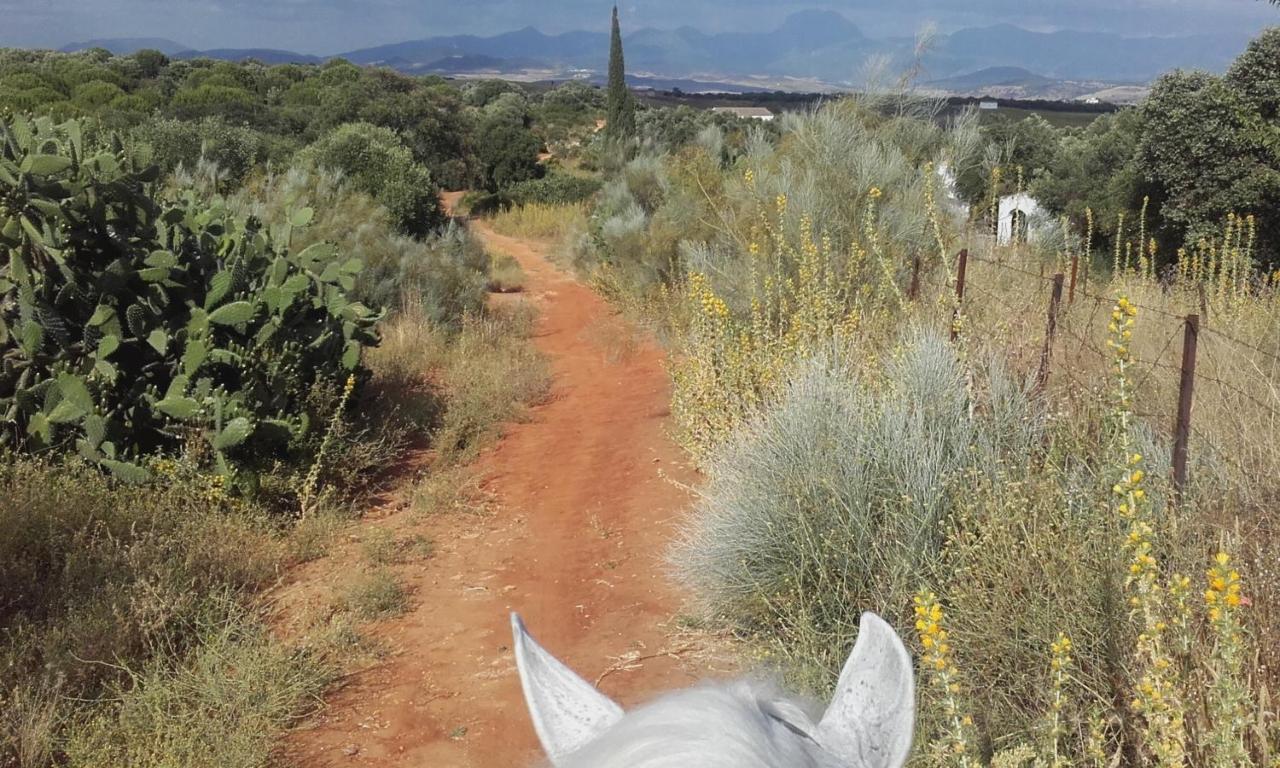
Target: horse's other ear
point(567, 711)
point(871, 718)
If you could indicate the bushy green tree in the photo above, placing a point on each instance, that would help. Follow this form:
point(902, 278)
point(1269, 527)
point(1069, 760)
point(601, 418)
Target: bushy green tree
point(506, 150)
point(380, 165)
point(150, 62)
point(1256, 74)
point(234, 149)
point(1204, 146)
point(1096, 169)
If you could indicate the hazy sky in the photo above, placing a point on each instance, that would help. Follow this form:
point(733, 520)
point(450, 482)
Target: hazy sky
point(332, 26)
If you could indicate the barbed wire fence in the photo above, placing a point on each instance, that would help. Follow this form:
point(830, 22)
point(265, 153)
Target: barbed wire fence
point(1193, 360)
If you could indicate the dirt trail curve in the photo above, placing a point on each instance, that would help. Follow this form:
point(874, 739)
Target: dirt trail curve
point(585, 507)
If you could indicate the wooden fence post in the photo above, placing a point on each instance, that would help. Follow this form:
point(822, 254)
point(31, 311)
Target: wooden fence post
point(1075, 270)
point(1055, 300)
point(914, 290)
point(1186, 390)
point(961, 268)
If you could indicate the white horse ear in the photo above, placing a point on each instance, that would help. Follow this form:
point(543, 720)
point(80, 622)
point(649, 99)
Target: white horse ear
point(567, 711)
point(871, 718)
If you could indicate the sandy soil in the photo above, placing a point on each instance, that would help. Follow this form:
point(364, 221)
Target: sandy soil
point(586, 495)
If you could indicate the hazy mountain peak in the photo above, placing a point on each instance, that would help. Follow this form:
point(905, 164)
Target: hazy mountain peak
point(820, 21)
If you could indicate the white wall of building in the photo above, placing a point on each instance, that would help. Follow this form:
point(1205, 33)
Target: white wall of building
point(1025, 205)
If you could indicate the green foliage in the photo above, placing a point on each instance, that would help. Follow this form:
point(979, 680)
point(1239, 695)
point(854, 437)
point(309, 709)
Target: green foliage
point(507, 153)
point(202, 324)
point(553, 189)
point(481, 92)
point(150, 62)
point(570, 105)
point(1256, 74)
point(1204, 146)
point(171, 144)
point(286, 106)
point(1097, 169)
point(621, 108)
point(379, 164)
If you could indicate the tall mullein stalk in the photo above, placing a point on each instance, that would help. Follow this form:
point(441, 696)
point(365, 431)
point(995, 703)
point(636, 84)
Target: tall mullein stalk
point(1157, 699)
point(312, 482)
point(1115, 259)
point(1095, 745)
point(1059, 669)
point(1142, 225)
point(1229, 702)
point(993, 210)
point(1088, 247)
point(871, 232)
point(1225, 262)
point(957, 746)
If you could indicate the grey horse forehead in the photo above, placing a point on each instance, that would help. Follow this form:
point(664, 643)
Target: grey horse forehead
point(739, 724)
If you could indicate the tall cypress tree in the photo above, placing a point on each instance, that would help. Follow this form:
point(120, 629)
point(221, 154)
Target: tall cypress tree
point(621, 109)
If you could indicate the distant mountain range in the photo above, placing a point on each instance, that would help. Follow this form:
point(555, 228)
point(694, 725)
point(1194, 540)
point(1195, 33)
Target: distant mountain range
point(811, 47)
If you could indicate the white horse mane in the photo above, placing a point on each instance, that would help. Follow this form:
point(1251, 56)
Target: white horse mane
point(742, 724)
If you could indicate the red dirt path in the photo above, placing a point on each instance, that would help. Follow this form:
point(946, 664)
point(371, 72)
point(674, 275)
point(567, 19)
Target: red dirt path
point(587, 492)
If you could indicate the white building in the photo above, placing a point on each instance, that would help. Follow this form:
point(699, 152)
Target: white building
point(752, 113)
point(1022, 219)
point(988, 104)
point(950, 191)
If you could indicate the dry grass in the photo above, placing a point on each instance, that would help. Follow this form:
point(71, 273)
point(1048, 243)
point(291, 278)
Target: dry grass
point(452, 489)
point(505, 274)
point(539, 221)
point(464, 383)
point(377, 594)
point(127, 637)
point(615, 336)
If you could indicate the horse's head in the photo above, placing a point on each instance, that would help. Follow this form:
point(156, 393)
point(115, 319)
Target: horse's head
point(868, 723)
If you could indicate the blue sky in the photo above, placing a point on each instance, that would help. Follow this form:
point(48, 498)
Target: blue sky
point(331, 26)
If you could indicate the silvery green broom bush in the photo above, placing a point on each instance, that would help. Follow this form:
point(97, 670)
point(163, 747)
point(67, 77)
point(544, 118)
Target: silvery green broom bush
point(832, 500)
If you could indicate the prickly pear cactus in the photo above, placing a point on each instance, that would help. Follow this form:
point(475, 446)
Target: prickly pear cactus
point(128, 322)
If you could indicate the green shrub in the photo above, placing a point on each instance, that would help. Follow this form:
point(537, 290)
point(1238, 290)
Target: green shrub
point(171, 144)
point(553, 189)
point(205, 325)
point(507, 152)
point(442, 274)
point(379, 164)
